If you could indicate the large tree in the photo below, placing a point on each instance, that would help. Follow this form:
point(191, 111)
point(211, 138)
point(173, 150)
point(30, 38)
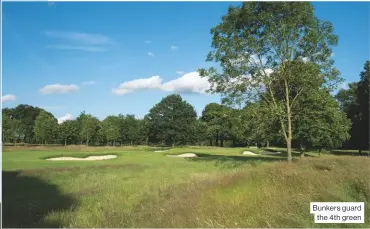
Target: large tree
point(46, 127)
point(362, 99)
point(26, 117)
point(111, 129)
point(89, 128)
point(259, 44)
point(68, 132)
point(170, 120)
point(319, 123)
point(354, 101)
point(132, 128)
point(219, 121)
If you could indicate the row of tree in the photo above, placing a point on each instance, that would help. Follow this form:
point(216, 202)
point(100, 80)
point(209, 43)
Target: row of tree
point(318, 122)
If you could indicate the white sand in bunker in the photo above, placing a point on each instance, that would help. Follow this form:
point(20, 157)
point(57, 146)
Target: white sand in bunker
point(184, 155)
point(249, 153)
point(89, 158)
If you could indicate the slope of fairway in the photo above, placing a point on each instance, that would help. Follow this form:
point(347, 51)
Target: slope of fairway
point(141, 188)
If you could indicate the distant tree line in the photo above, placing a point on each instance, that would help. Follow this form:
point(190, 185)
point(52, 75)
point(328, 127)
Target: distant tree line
point(320, 122)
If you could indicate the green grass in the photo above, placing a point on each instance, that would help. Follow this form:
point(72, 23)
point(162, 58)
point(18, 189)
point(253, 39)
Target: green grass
point(142, 188)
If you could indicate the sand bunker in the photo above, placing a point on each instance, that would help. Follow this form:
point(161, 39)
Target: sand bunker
point(184, 155)
point(160, 151)
point(89, 158)
point(249, 153)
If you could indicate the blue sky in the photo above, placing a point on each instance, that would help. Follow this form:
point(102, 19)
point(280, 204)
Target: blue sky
point(86, 51)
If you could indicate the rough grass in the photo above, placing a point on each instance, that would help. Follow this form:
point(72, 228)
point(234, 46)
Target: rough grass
point(141, 188)
point(273, 195)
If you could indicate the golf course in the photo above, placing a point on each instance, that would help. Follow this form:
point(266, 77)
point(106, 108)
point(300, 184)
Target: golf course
point(185, 114)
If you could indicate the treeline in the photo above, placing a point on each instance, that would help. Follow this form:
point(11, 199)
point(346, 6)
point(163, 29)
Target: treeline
point(320, 122)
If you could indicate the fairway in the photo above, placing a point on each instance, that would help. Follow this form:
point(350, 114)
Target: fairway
point(144, 188)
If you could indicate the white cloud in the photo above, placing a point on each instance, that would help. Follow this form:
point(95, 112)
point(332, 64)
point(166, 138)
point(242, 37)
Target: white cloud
point(82, 38)
point(148, 42)
point(153, 82)
point(59, 89)
point(173, 47)
point(8, 97)
point(89, 83)
point(180, 72)
point(79, 48)
point(65, 118)
point(121, 91)
point(150, 54)
point(188, 83)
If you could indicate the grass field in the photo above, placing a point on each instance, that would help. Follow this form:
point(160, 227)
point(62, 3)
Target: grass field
point(143, 188)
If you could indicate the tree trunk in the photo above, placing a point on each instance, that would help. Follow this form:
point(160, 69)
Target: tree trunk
point(65, 142)
point(210, 142)
point(222, 142)
point(131, 143)
point(301, 149)
point(319, 152)
point(217, 141)
point(289, 137)
point(87, 142)
point(289, 149)
point(267, 144)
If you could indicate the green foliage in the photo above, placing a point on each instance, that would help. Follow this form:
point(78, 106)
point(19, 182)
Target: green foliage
point(45, 127)
point(319, 122)
point(25, 116)
point(68, 132)
point(219, 120)
point(362, 99)
point(169, 121)
point(259, 45)
point(354, 102)
point(89, 127)
point(111, 128)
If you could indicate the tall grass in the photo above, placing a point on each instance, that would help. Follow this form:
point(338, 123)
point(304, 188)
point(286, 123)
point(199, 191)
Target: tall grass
point(270, 195)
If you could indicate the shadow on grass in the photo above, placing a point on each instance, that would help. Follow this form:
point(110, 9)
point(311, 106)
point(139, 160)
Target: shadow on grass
point(283, 153)
point(349, 153)
point(27, 200)
point(233, 161)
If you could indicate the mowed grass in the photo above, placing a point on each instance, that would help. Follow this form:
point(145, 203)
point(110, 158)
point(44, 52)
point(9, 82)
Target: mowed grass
point(143, 188)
